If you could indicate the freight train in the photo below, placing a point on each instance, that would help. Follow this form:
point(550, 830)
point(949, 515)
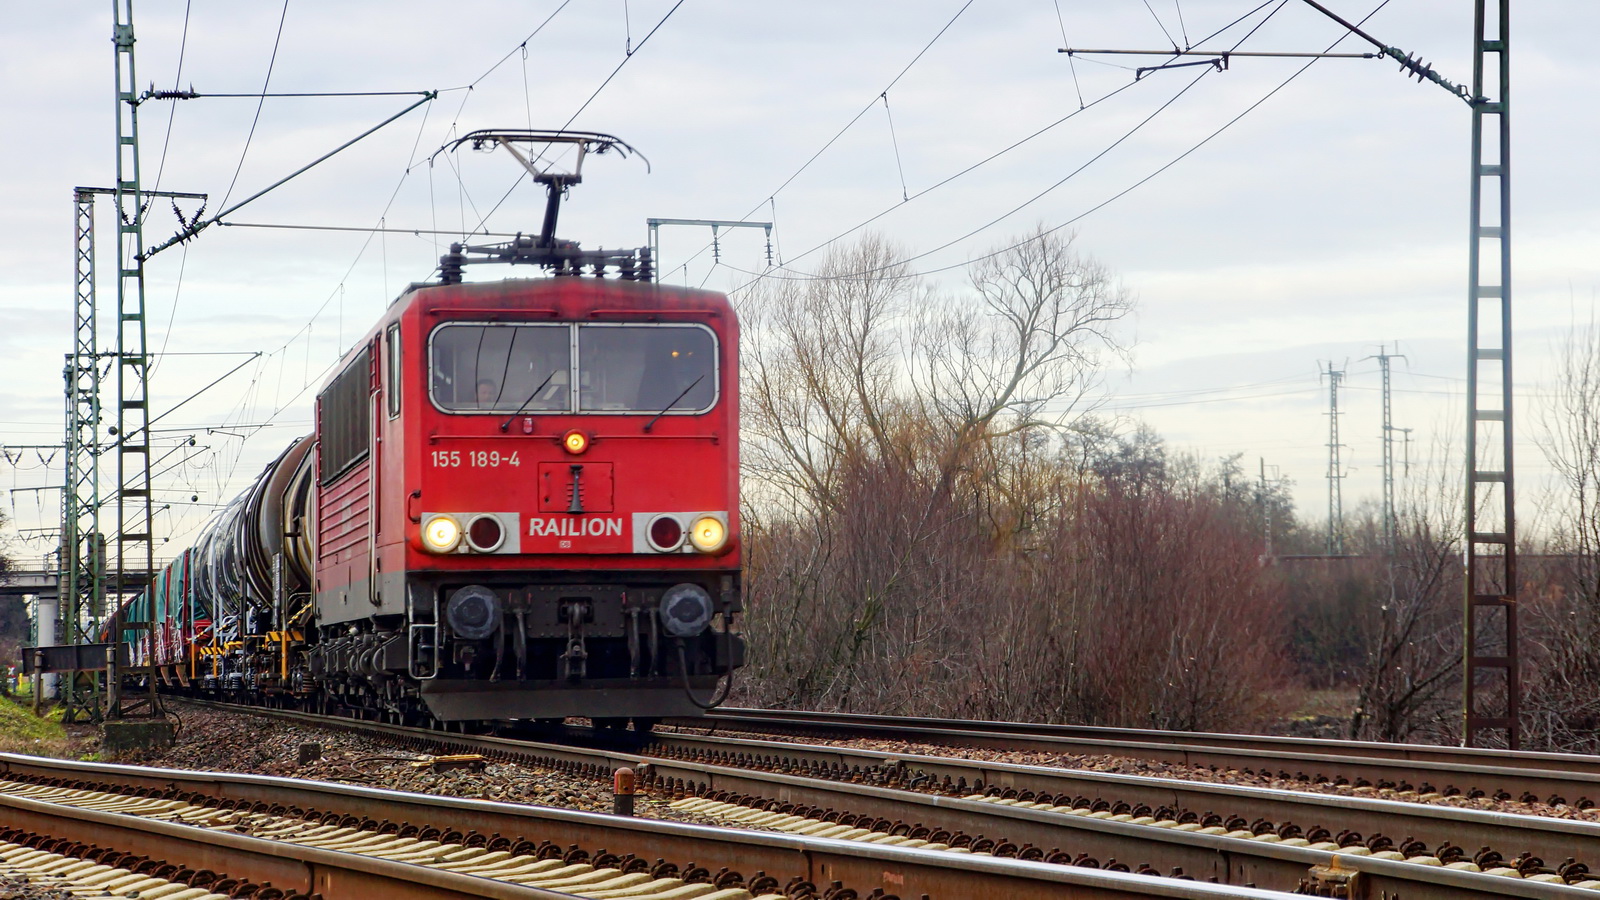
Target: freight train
point(520, 501)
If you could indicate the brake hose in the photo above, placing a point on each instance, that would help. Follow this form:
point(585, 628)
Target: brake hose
point(727, 681)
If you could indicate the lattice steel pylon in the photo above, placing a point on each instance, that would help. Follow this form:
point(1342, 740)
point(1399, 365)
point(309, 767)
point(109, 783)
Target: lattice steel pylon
point(135, 547)
point(81, 573)
point(1489, 641)
point(1390, 517)
point(1335, 466)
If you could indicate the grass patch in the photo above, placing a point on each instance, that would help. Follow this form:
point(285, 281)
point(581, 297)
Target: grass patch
point(23, 732)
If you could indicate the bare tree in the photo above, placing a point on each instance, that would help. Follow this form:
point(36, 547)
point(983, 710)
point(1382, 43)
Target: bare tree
point(1563, 677)
point(1027, 352)
point(822, 371)
point(1570, 438)
point(1411, 627)
point(892, 439)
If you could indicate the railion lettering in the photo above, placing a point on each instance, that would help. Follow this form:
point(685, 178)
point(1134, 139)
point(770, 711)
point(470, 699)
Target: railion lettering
point(573, 526)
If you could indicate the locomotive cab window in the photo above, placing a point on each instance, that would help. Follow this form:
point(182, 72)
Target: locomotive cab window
point(646, 368)
point(500, 368)
point(392, 355)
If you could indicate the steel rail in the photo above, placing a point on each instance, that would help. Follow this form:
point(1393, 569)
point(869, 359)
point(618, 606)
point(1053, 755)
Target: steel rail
point(1572, 778)
point(897, 870)
point(1434, 824)
point(288, 867)
point(1230, 860)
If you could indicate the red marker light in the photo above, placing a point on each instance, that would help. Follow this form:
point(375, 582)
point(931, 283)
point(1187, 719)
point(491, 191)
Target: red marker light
point(485, 534)
point(666, 533)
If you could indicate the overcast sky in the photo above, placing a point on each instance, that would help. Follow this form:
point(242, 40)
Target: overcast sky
point(1329, 220)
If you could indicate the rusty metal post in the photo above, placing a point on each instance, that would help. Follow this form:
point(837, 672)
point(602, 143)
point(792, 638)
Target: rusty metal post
point(113, 677)
point(38, 679)
point(622, 788)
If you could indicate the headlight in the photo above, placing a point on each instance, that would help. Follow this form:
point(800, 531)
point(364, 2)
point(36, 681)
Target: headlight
point(708, 534)
point(575, 442)
point(441, 534)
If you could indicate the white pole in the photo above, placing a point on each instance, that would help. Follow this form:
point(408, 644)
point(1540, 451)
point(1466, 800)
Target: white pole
point(48, 608)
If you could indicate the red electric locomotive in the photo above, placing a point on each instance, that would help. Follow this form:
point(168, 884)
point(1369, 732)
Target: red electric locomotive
point(521, 502)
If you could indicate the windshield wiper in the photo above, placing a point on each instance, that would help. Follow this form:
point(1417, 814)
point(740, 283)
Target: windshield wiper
point(506, 425)
point(681, 394)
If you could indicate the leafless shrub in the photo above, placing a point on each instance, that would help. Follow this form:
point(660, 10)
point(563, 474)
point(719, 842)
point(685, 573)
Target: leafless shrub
point(923, 539)
point(1562, 671)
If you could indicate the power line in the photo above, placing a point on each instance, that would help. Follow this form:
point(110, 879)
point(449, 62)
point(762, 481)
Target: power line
point(1013, 211)
point(857, 117)
point(1097, 207)
point(895, 142)
point(1183, 27)
point(522, 46)
point(361, 229)
point(1081, 107)
point(585, 105)
point(772, 196)
point(1161, 25)
point(273, 61)
point(1123, 407)
point(1071, 65)
point(183, 47)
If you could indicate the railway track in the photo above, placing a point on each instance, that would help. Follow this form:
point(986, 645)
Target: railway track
point(99, 849)
point(1351, 825)
point(1237, 836)
point(1405, 771)
point(285, 838)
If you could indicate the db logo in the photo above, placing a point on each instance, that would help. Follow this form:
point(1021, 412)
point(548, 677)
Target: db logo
point(565, 545)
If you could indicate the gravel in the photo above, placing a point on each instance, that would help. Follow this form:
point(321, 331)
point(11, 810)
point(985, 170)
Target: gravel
point(1122, 765)
point(212, 740)
point(12, 888)
point(221, 741)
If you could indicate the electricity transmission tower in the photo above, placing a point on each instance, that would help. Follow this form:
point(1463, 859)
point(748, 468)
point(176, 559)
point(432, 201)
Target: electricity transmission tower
point(1335, 467)
point(1389, 431)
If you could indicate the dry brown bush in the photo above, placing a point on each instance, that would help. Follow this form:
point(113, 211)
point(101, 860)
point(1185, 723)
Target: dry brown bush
point(924, 538)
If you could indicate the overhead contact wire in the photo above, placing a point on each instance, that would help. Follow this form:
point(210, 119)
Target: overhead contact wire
point(570, 119)
point(273, 61)
point(1160, 24)
point(857, 117)
point(161, 167)
point(848, 125)
point(177, 80)
point(1072, 66)
point(895, 142)
point(1104, 203)
point(979, 164)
